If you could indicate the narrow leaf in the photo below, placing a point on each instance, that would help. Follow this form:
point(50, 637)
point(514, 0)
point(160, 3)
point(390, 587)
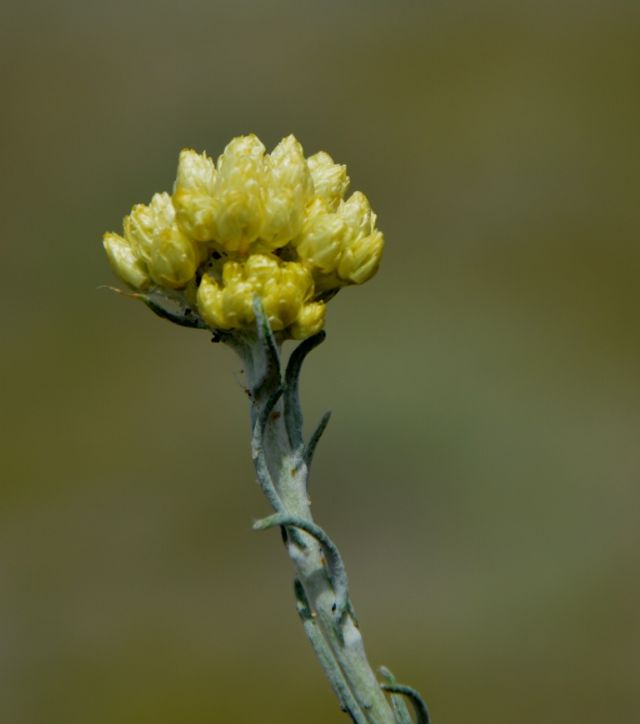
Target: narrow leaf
point(292, 411)
point(420, 708)
point(269, 375)
point(257, 452)
point(335, 565)
point(315, 438)
point(398, 704)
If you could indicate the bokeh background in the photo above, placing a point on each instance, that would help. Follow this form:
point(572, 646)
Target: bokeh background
point(481, 470)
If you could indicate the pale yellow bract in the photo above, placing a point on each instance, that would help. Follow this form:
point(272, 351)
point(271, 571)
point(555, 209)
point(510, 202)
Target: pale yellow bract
point(273, 225)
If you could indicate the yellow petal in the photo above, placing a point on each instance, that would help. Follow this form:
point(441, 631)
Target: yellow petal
point(194, 196)
point(287, 191)
point(310, 321)
point(330, 180)
point(361, 259)
point(209, 299)
point(125, 261)
point(240, 194)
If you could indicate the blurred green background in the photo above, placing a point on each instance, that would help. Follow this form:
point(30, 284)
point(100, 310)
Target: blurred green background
point(481, 470)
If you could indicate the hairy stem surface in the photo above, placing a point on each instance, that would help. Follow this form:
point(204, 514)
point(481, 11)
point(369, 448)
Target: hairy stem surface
point(281, 459)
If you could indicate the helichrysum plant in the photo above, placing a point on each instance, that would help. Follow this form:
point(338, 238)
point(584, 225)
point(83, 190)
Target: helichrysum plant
point(252, 247)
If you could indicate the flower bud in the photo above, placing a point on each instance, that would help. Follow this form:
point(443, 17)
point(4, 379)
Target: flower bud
point(194, 197)
point(284, 294)
point(309, 322)
point(321, 238)
point(209, 300)
point(289, 185)
point(360, 260)
point(126, 261)
point(174, 260)
point(363, 244)
point(171, 256)
point(283, 287)
point(330, 180)
point(357, 214)
point(239, 194)
point(143, 225)
point(140, 228)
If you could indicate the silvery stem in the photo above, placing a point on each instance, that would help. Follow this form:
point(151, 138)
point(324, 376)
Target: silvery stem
point(282, 461)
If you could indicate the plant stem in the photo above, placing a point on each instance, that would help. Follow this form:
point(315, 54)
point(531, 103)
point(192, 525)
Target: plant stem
point(281, 460)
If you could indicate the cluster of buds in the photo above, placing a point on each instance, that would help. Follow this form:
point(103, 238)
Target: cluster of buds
point(276, 226)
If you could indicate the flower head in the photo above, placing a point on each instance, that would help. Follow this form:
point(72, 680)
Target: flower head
point(276, 226)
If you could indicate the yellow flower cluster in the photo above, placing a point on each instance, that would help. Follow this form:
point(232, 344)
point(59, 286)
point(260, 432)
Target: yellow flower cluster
point(284, 288)
point(273, 225)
